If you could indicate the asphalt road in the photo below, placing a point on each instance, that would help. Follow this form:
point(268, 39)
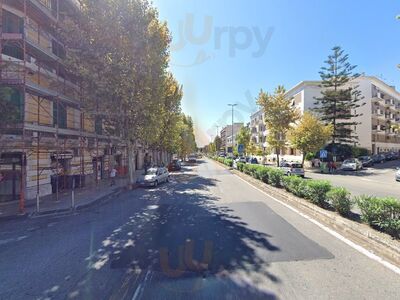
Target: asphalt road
point(377, 180)
point(205, 235)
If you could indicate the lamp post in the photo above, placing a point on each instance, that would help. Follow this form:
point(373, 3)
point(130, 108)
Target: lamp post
point(232, 105)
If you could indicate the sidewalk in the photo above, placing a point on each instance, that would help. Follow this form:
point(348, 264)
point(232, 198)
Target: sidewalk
point(84, 197)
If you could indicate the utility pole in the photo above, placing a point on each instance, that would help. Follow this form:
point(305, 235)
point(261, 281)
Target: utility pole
point(232, 105)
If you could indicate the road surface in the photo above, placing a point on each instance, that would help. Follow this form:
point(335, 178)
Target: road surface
point(205, 235)
point(378, 180)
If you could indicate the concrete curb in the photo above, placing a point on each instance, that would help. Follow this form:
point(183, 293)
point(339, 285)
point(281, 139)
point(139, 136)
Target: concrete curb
point(375, 241)
point(14, 217)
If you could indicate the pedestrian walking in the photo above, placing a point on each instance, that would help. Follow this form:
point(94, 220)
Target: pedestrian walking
point(113, 173)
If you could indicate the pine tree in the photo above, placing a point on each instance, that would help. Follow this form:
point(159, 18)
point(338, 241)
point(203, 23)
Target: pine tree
point(340, 99)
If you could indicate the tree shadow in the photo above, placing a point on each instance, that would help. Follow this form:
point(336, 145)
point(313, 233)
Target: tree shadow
point(183, 236)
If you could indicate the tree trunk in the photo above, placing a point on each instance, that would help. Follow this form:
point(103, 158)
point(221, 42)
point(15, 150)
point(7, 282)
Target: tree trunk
point(304, 157)
point(277, 156)
point(131, 163)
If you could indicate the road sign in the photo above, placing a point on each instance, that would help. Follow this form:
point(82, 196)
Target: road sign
point(240, 148)
point(323, 154)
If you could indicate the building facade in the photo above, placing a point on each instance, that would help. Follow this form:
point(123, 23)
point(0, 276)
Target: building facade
point(379, 116)
point(227, 139)
point(258, 130)
point(53, 143)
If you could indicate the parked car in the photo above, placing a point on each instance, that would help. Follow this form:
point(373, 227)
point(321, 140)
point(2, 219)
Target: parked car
point(352, 164)
point(253, 160)
point(378, 158)
point(391, 156)
point(397, 175)
point(192, 158)
point(292, 168)
point(174, 165)
point(366, 161)
point(154, 176)
point(241, 159)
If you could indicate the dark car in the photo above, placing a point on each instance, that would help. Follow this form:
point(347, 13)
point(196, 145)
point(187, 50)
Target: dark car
point(253, 160)
point(378, 158)
point(174, 165)
point(391, 156)
point(366, 161)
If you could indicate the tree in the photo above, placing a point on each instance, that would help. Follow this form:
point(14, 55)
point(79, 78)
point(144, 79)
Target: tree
point(279, 115)
point(243, 137)
point(118, 51)
point(310, 134)
point(252, 148)
point(340, 100)
point(187, 138)
point(217, 143)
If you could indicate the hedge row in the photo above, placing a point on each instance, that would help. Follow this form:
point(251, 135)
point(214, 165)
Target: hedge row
point(380, 213)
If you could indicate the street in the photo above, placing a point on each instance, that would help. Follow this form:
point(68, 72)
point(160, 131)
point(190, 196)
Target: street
point(375, 181)
point(205, 235)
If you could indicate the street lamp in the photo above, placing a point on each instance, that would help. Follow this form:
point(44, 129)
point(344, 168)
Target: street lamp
point(232, 105)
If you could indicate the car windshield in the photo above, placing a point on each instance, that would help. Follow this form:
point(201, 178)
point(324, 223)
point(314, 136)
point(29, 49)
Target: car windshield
point(152, 171)
point(349, 161)
point(297, 166)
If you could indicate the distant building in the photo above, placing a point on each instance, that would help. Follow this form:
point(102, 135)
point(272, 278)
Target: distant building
point(258, 129)
point(226, 136)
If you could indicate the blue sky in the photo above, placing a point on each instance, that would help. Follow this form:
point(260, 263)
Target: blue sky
point(238, 47)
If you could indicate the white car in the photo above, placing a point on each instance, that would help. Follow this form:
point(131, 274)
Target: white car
point(352, 164)
point(292, 168)
point(397, 175)
point(154, 176)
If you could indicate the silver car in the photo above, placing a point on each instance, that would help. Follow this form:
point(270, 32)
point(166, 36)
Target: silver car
point(154, 176)
point(352, 164)
point(291, 168)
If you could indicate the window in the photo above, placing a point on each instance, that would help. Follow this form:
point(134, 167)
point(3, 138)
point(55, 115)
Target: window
point(11, 104)
point(58, 49)
point(59, 115)
point(12, 23)
point(98, 125)
point(13, 51)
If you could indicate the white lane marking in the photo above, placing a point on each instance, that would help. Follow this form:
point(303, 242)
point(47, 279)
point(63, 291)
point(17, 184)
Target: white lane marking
point(139, 289)
point(353, 245)
point(7, 241)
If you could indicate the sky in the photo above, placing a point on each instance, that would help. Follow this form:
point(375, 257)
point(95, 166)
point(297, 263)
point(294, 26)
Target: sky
point(224, 52)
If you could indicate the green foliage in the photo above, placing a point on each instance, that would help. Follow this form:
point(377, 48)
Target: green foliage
point(228, 162)
point(316, 190)
point(358, 151)
point(243, 137)
point(240, 166)
point(262, 174)
point(309, 156)
point(275, 176)
point(294, 184)
point(340, 199)
point(381, 213)
point(339, 101)
point(279, 115)
point(310, 134)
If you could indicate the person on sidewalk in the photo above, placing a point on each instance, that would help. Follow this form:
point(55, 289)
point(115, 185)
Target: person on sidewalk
point(113, 173)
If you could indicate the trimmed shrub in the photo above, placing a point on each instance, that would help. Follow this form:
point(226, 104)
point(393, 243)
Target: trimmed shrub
point(262, 174)
point(228, 162)
point(381, 213)
point(340, 199)
point(310, 156)
point(295, 185)
point(315, 191)
point(275, 176)
point(240, 166)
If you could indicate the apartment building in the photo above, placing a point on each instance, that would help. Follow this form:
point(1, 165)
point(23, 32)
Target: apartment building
point(380, 112)
point(54, 142)
point(258, 129)
point(227, 139)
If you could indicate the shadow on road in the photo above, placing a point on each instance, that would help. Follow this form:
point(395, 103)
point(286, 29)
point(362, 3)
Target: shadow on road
point(183, 237)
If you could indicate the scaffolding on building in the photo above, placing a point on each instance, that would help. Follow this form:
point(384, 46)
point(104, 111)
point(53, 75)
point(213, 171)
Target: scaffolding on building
point(41, 74)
